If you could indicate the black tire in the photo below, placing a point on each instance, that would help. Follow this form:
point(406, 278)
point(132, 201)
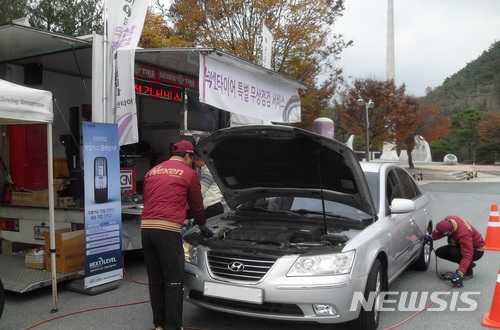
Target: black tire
point(424, 258)
point(376, 282)
point(101, 195)
point(2, 298)
point(100, 180)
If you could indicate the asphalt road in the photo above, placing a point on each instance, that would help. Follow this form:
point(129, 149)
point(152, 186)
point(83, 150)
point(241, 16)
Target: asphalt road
point(127, 307)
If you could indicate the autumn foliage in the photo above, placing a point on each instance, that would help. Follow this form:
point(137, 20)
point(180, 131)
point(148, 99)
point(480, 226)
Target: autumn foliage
point(487, 127)
point(304, 45)
point(396, 118)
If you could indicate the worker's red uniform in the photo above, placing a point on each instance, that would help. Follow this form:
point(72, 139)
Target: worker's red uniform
point(466, 237)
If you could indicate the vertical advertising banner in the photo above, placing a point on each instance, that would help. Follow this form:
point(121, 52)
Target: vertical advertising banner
point(103, 222)
point(125, 22)
point(267, 47)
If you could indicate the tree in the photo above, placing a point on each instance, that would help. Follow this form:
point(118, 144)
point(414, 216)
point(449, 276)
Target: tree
point(487, 128)
point(442, 147)
point(464, 130)
point(428, 123)
point(304, 43)
point(488, 131)
point(316, 102)
point(393, 111)
point(396, 117)
point(69, 17)
point(155, 33)
point(13, 9)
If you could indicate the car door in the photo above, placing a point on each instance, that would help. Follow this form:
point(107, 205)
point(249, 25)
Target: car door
point(421, 215)
point(401, 228)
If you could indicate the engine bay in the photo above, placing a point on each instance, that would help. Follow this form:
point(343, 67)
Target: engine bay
point(270, 239)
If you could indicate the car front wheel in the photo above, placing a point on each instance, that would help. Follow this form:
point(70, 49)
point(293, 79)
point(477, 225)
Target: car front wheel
point(424, 259)
point(369, 318)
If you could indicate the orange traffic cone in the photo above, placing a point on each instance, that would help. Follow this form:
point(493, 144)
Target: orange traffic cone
point(492, 319)
point(492, 238)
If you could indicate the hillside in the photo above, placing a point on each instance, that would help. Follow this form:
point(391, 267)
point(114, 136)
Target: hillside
point(477, 85)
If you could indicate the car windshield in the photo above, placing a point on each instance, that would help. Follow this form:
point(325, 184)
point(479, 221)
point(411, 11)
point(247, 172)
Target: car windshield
point(301, 205)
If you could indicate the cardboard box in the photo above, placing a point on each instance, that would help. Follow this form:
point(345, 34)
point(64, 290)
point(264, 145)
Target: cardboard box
point(35, 259)
point(70, 251)
point(42, 198)
point(22, 197)
point(30, 197)
point(38, 197)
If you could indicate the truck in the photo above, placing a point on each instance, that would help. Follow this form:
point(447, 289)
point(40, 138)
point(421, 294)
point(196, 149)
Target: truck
point(170, 106)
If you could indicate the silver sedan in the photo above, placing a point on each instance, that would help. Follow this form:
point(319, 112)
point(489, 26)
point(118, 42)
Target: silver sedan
point(312, 235)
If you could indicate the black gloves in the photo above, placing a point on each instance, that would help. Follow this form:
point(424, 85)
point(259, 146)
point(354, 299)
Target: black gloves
point(457, 279)
point(206, 232)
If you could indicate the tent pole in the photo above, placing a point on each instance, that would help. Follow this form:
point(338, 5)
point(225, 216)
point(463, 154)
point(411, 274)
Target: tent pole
point(52, 217)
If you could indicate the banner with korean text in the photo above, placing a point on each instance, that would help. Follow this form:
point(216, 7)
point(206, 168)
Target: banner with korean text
point(226, 85)
point(125, 22)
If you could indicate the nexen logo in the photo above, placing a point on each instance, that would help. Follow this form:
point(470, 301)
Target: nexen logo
point(101, 262)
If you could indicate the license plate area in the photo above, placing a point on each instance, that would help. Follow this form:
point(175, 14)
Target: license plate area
point(233, 292)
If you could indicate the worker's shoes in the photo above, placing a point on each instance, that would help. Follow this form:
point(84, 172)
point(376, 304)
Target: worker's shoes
point(469, 275)
point(449, 275)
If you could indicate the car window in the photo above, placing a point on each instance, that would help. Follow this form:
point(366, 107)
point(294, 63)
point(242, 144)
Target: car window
point(393, 188)
point(374, 187)
point(408, 186)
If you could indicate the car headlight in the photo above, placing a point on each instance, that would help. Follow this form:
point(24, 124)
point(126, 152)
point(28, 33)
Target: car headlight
point(190, 253)
point(325, 264)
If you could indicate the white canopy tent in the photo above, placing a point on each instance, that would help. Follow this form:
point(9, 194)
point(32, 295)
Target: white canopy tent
point(24, 105)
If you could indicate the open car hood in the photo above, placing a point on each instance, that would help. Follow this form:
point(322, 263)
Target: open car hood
point(255, 161)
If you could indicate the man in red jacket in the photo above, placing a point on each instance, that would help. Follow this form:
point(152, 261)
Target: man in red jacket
point(465, 245)
point(169, 188)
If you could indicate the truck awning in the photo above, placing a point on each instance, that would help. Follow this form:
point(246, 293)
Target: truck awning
point(22, 45)
point(187, 61)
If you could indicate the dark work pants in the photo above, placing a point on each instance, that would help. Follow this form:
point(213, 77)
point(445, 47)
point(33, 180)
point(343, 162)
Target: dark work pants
point(213, 210)
point(164, 260)
point(452, 253)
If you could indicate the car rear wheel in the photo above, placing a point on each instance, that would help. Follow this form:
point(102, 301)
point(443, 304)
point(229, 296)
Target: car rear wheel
point(2, 298)
point(424, 259)
point(376, 283)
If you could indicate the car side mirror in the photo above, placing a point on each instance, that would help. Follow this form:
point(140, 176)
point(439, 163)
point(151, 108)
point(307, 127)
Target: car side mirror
point(402, 205)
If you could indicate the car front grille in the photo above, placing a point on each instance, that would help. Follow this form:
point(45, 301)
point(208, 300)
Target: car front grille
point(239, 266)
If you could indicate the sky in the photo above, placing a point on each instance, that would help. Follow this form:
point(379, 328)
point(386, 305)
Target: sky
point(433, 39)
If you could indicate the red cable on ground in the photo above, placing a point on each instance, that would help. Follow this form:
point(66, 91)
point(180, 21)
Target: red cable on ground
point(96, 308)
point(420, 311)
point(84, 311)
point(104, 307)
point(127, 275)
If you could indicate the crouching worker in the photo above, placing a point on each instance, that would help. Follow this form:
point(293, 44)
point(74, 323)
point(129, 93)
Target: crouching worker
point(465, 245)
